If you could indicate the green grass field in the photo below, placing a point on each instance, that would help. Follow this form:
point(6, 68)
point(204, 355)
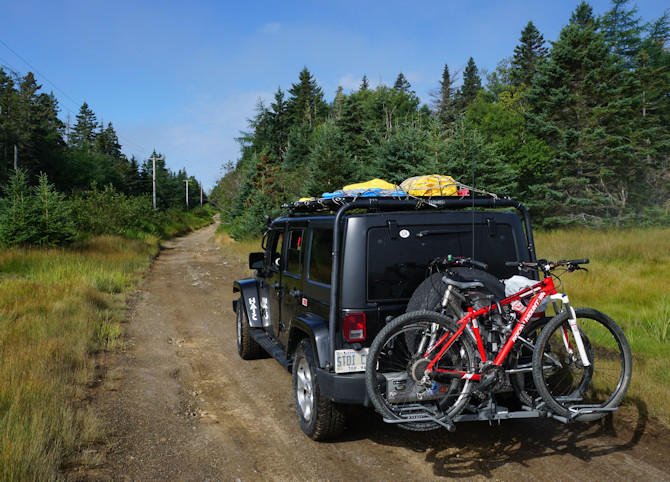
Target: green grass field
point(58, 307)
point(628, 279)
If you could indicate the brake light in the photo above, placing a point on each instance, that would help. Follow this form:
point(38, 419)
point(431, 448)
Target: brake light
point(353, 327)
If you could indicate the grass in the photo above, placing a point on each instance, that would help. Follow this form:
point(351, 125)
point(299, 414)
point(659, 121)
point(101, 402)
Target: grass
point(57, 308)
point(627, 279)
point(237, 250)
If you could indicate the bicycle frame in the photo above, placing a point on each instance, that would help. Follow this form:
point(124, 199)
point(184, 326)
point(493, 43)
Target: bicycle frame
point(539, 292)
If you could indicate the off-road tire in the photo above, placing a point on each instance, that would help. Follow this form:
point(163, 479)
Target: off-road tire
point(247, 347)
point(320, 418)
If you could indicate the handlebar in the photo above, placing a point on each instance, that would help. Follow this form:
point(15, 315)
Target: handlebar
point(543, 264)
point(456, 261)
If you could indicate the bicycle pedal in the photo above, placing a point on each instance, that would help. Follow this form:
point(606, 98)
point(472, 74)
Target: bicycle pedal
point(484, 384)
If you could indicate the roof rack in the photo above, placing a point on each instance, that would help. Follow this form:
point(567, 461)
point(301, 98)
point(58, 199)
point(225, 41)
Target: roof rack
point(386, 203)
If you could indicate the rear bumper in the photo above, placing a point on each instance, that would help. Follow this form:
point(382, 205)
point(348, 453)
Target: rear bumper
point(343, 387)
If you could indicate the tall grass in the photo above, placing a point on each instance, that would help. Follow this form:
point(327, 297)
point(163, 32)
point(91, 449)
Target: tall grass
point(628, 279)
point(57, 308)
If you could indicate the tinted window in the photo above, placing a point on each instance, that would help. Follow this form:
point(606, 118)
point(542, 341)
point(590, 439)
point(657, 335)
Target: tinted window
point(321, 255)
point(397, 262)
point(293, 255)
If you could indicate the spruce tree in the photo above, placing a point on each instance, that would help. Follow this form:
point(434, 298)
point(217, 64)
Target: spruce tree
point(278, 126)
point(365, 85)
point(527, 55)
point(444, 98)
point(472, 84)
point(623, 30)
point(579, 107)
point(330, 165)
point(306, 104)
point(84, 131)
point(402, 84)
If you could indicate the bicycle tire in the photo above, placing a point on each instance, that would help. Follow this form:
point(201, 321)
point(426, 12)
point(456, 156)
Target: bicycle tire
point(521, 357)
point(394, 366)
point(567, 387)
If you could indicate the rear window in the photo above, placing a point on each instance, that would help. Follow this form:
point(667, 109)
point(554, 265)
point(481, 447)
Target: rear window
point(397, 259)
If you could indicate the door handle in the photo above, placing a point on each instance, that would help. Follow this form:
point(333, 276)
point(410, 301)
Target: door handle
point(295, 293)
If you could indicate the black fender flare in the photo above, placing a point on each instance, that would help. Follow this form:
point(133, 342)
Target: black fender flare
point(256, 298)
point(309, 325)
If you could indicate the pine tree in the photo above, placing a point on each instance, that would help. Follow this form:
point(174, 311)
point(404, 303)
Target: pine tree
point(623, 31)
point(330, 165)
point(17, 212)
point(365, 85)
point(579, 108)
point(278, 126)
point(84, 131)
point(472, 84)
point(527, 55)
point(53, 220)
point(402, 84)
point(306, 104)
point(444, 98)
point(651, 108)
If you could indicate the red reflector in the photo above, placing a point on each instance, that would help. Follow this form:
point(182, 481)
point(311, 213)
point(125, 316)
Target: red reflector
point(353, 327)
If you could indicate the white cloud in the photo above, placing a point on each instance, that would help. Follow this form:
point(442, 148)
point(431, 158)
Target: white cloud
point(271, 28)
point(350, 82)
point(201, 137)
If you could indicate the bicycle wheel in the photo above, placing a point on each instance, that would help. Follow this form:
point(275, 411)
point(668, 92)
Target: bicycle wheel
point(395, 367)
point(568, 387)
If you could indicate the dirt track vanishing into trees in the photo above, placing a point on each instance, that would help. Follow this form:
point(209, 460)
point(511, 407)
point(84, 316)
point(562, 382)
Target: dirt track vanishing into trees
point(181, 405)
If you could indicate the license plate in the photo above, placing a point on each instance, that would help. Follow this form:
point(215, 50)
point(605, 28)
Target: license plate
point(348, 361)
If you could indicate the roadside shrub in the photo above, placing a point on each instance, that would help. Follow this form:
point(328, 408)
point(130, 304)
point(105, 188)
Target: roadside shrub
point(38, 216)
point(97, 212)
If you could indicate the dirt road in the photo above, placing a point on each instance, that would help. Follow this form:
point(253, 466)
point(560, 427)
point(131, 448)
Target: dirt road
point(181, 405)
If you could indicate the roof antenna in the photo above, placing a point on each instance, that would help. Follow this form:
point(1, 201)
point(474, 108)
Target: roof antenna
point(472, 195)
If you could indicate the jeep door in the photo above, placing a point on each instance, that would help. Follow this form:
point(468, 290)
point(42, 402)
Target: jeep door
point(275, 262)
point(292, 280)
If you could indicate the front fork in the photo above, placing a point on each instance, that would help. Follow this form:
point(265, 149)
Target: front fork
point(572, 321)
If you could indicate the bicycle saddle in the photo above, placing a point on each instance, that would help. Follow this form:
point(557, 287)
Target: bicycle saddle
point(462, 285)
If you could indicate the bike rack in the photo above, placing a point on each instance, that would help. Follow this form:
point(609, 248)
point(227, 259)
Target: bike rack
point(490, 411)
point(419, 413)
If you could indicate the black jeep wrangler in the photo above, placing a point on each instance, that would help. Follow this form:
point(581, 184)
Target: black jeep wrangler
point(333, 272)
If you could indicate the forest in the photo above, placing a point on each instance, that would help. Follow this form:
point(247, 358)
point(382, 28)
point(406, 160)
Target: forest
point(575, 128)
point(59, 182)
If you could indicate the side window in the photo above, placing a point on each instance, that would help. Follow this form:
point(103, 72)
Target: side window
point(275, 245)
point(294, 253)
point(321, 256)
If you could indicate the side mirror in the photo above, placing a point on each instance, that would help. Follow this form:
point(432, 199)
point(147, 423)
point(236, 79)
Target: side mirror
point(256, 260)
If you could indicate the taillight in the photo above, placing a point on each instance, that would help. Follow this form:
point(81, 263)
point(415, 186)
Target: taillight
point(353, 326)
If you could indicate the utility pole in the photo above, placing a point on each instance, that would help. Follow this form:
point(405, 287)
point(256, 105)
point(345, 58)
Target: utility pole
point(186, 181)
point(154, 159)
point(200, 195)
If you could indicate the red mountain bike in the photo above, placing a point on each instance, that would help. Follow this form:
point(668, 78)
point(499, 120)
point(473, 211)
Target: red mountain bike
point(425, 367)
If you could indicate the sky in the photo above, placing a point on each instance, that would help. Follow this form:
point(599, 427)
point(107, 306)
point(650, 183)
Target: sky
point(184, 77)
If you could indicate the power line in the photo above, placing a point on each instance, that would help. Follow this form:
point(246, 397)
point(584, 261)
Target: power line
point(76, 103)
point(40, 73)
